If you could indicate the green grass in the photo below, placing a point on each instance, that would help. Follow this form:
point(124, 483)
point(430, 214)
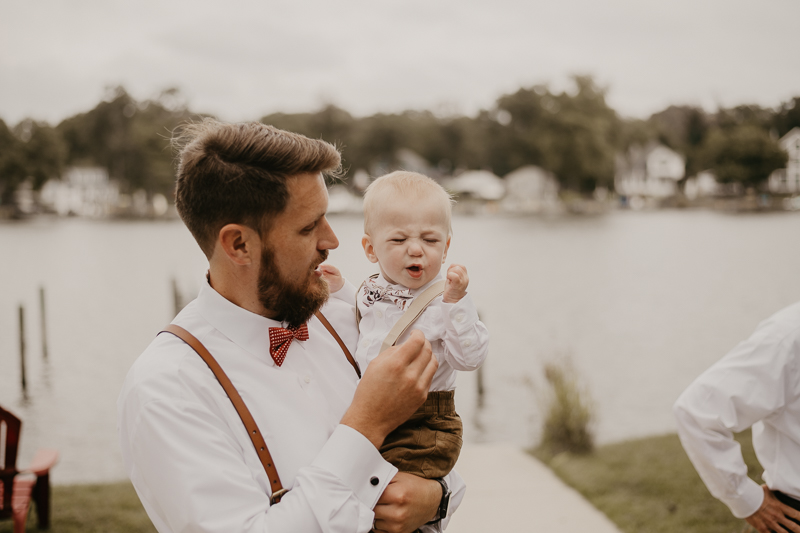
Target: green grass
point(92, 509)
point(649, 485)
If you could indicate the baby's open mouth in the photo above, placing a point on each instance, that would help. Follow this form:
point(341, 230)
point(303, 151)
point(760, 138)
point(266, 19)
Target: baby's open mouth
point(414, 270)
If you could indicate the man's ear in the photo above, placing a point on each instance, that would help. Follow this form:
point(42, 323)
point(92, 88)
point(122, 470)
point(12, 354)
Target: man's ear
point(446, 248)
point(240, 244)
point(369, 250)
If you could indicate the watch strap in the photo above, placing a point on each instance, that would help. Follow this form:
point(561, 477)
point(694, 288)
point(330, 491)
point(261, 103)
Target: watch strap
point(444, 503)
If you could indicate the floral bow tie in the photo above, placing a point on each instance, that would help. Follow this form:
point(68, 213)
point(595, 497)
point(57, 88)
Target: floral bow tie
point(372, 292)
point(281, 338)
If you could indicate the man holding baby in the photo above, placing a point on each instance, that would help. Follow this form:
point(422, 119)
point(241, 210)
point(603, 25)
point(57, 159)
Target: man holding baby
point(255, 200)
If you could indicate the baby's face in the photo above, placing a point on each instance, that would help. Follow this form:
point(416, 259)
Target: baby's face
point(409, 240)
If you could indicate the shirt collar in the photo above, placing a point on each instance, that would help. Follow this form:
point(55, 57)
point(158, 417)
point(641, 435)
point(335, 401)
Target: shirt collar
point(380, 280)
point(247, 330)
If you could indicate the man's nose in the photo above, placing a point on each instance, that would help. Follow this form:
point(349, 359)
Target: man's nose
point(327, 240)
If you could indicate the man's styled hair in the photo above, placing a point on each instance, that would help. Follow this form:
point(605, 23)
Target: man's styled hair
point(236, 174)
point(402, 183)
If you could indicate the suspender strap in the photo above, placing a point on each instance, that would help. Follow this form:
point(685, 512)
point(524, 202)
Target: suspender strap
point(416, 308)
point(244, 413)
point(336, 336)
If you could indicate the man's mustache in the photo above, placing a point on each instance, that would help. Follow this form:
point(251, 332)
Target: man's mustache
point(323, 255)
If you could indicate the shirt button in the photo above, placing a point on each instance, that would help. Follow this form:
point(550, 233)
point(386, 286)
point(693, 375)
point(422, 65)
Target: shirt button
point(460, 317)
point(374, 481)
point(307, 379)
point(378, 314)
point(467, 343)
point(365, 343)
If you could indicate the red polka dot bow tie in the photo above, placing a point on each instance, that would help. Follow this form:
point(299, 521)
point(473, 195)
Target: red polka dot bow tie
point(281, 338)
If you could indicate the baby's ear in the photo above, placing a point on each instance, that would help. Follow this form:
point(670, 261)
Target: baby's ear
point(446, 247)
point(369, 250)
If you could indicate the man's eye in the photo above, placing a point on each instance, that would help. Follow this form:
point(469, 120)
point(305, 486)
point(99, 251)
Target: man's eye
point(398, 240)
point(431, 241)
point(308, 229)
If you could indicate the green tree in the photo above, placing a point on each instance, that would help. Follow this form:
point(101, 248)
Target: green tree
point(743, 154)
point(13, 169)
point(128, 138)
point(684, 129)
point(43, 151)
point(575, 135)
point(787, 116)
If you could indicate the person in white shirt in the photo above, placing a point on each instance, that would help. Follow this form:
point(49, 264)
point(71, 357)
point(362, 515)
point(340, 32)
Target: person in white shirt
point(254, 198)
point(756, 384)
point(407, 232)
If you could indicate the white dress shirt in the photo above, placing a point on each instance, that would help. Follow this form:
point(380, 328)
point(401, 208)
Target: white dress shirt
point(459, 340)
point(757, 384)
point(190, 458)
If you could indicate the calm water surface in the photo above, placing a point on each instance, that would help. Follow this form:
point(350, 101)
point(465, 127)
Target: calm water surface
point(639, 302)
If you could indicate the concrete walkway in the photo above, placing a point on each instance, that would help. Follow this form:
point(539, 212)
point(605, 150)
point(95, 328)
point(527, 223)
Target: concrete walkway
point(510, 491)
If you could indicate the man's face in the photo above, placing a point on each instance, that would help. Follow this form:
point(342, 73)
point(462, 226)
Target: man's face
point(409, 240)
point(298, 240)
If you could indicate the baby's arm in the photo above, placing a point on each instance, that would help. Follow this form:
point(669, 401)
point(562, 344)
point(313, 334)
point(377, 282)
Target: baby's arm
point(338, 286)
point(466, 339)
point(340, 307)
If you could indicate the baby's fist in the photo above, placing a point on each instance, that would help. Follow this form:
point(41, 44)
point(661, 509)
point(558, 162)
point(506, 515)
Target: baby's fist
point(455, 286)
point(332, 275)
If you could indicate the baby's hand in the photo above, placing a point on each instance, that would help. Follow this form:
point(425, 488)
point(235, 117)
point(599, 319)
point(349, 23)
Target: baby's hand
point(332, 275)
point(455, 287)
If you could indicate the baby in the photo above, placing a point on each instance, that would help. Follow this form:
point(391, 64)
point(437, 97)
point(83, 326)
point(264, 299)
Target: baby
point(407, 232)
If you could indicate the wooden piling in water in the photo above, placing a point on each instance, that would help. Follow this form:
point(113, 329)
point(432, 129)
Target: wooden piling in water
point(44, 323)
point(23, 381)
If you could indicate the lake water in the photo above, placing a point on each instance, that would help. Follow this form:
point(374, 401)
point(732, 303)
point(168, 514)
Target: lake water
point(639, 302)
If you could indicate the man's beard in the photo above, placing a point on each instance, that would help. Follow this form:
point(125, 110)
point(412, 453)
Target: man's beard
point(293, 304)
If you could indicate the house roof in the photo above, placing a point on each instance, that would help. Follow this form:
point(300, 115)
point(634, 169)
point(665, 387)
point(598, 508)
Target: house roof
point(792, 134)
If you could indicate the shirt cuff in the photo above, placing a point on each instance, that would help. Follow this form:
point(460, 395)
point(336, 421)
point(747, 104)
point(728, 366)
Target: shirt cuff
point(351, 457)
point(463, 314)
point(750, 501)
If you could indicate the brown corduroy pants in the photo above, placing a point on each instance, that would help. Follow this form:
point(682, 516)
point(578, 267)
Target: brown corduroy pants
point(429, 442)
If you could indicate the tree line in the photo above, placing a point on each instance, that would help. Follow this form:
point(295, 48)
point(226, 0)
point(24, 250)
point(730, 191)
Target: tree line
point(574, 134)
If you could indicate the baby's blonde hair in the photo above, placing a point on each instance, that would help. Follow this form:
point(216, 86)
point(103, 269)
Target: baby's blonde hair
point(403, 183)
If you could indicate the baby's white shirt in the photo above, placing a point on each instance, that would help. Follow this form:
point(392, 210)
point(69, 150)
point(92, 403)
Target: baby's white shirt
point(459, 340)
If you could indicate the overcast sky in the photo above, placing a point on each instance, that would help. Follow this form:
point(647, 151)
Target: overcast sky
point(241, 59)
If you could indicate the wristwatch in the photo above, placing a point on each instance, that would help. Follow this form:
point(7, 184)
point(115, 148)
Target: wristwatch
point(444, 504)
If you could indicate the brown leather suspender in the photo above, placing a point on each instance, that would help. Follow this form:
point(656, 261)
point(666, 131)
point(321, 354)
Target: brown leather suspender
point(244, 413)
point(336, 336)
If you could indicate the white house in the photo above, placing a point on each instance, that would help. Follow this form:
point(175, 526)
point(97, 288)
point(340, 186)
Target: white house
point(703, 185)
point(787, 180)
point(651, 171)
point(478, 184)
point(341, 200)
point(530, 189)
point(82, 191)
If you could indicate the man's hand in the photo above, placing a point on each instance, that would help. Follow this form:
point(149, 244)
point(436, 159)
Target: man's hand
point(394, 385)
point(332, 275)
point(773, 515)
point(407, 503)
point(455, 286)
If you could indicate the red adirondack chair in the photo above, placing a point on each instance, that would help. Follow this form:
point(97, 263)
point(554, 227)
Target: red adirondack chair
point(18, 486)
